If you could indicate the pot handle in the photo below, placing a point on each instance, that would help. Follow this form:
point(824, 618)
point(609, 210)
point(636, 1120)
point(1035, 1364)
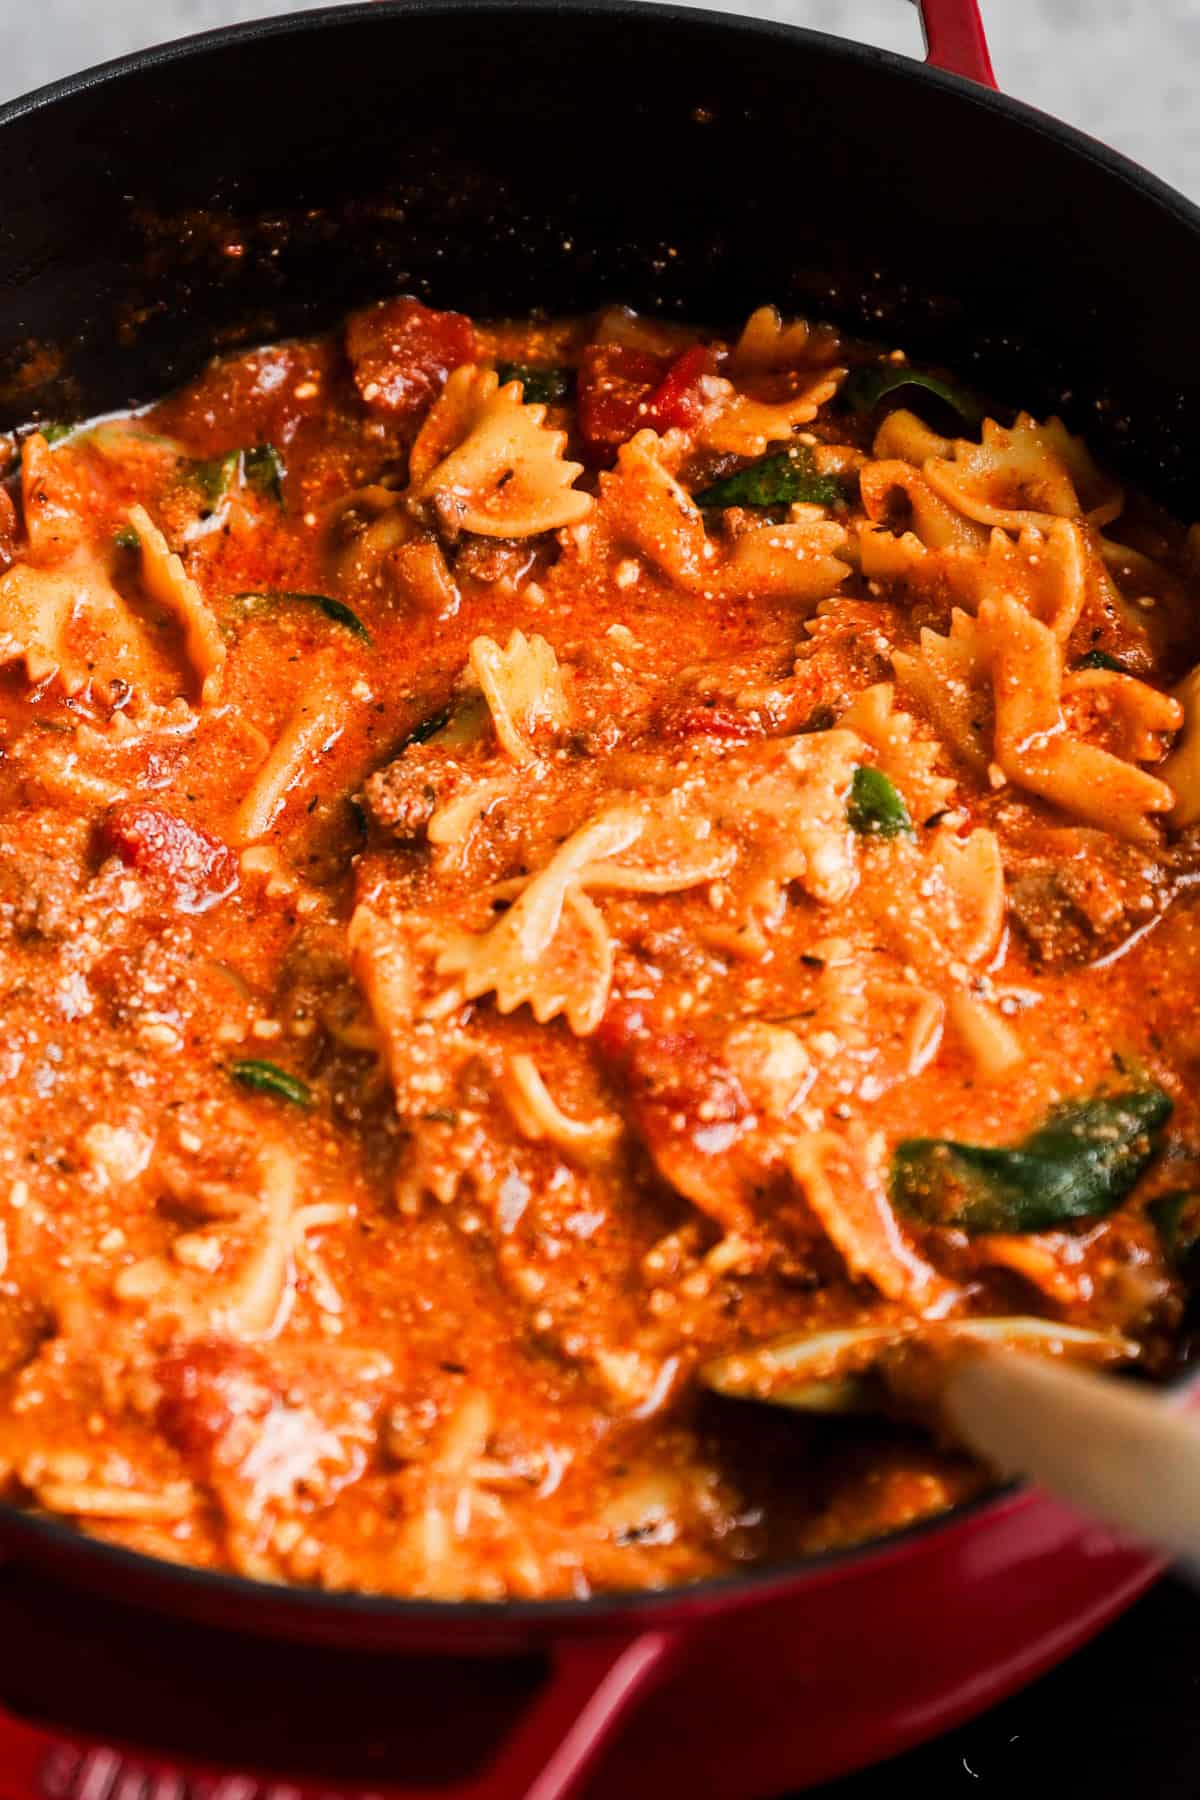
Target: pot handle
point(591, 1684)
point(955, 40)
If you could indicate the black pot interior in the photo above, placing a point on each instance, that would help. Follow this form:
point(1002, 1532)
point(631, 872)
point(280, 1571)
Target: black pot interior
point(500, 157)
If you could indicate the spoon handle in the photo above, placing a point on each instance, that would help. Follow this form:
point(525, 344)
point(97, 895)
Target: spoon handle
point(1116, 1451)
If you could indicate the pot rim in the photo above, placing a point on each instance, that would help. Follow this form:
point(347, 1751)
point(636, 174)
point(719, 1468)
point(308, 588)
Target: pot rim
point(638, 1608)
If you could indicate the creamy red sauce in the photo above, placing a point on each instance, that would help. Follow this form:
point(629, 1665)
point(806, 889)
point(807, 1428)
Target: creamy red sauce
point(428, 1051)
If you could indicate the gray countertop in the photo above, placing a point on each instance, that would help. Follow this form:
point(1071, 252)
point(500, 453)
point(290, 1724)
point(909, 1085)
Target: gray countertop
point(1124, 70)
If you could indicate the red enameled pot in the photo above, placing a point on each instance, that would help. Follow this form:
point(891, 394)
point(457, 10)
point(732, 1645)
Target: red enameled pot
point(495, 157)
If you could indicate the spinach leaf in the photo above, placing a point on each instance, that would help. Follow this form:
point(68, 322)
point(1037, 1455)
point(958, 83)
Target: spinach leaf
point(780, 479)
point(267, 1078)
point(1100, 659)
point(262, 467)
point(867, 386)
point(427, 728)
point(217, 477)
point(55, 432)
point(876, 807)
point(337, 610)
point(457, 725)
point(126, 538)
point(1079, 1165)
point(545, 383)
point(358, 812)
point(1176, 1217)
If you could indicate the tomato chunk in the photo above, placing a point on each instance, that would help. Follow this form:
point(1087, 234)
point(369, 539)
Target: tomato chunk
point(689, 1109)
point(678, 400)
point(198, 868)
point(260, 396)
point(210, 1393)
point(614, 387)
point(680, 720)
point(622, 391)
point(401, 352)
point(675, 1081)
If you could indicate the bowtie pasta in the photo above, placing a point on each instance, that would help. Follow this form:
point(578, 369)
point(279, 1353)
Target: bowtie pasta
point(576, 898)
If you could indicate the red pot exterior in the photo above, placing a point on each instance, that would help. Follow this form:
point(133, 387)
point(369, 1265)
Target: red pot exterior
point(843, 1672)
point(739, 1690)
point(955, 39)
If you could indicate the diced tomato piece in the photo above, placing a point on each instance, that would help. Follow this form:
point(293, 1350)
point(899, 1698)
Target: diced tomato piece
point(613, 388)
point(198, 868)
point(401, 352)
point(678, 400)
point(206, 1389)
point(260, 396)
point(622, 391)
point(676, 1083)
point(689, 1109)
point(720, 720)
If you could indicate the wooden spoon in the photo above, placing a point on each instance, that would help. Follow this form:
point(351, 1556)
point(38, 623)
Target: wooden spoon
point(1122, 1453)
